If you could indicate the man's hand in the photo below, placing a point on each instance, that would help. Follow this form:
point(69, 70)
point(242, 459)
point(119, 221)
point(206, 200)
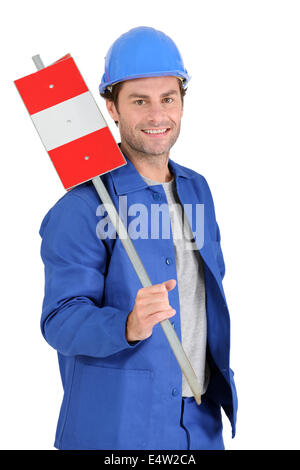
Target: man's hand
point(151, 307)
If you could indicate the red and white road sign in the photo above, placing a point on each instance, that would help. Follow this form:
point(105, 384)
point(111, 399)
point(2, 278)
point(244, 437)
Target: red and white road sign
point(69, 123)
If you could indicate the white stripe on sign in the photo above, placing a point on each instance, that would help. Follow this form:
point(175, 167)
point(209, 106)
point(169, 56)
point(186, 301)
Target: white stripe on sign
point(68, 121)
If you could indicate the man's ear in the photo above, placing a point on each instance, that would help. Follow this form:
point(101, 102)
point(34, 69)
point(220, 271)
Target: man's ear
point(110, 105)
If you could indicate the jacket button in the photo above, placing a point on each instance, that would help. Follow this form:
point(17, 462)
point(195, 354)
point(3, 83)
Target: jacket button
point(174, 392)
point(169, 261)
point(156, 196)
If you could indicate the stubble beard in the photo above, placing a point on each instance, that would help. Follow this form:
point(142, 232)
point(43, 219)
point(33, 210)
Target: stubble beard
point(141, 148)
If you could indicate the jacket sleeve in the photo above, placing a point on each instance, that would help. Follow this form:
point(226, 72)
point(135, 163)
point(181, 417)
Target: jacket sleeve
point(73, 321)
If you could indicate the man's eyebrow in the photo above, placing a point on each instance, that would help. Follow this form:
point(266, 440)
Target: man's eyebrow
point(167, 93)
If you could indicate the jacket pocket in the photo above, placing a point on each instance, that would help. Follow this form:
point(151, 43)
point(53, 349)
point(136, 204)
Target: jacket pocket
point(110, 408)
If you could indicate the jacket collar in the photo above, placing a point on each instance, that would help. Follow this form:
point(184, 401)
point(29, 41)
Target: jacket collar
point(127, 179)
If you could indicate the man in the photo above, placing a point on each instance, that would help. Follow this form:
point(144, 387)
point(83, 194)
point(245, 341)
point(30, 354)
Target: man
point(123, 388)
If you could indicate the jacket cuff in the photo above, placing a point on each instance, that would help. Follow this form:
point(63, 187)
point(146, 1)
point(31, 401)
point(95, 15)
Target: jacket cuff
point(122, 331)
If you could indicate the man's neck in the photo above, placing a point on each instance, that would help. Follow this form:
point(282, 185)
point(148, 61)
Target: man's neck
point(154, 167)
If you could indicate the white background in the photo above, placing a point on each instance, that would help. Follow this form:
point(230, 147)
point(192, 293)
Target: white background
point(240, 130)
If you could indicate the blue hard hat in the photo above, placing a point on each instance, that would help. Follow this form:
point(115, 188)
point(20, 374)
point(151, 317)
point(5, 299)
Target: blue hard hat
point(142, 52)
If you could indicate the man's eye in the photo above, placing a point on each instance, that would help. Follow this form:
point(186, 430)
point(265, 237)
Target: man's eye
point(139, 102)
point(170, 100)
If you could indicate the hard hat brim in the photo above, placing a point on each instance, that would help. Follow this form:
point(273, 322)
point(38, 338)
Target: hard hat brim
point(184, 77)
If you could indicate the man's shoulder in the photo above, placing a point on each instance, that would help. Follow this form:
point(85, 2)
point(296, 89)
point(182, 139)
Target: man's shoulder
point(84, 192)
point(79, 202)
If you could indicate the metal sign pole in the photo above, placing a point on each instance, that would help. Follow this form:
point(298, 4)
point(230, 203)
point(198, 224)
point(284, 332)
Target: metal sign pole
point(138, 266)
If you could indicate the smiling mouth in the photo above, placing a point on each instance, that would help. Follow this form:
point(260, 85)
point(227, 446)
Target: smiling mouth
point(156, 132)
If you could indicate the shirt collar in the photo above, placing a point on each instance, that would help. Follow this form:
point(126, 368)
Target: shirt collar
point(127, 179)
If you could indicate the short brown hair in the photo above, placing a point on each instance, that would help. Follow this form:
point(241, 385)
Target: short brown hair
point(113, 94)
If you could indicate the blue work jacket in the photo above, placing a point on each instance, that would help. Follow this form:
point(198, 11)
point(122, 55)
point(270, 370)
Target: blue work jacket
point(121, 395)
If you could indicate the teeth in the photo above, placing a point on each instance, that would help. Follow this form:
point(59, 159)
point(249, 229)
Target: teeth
point(159, 131)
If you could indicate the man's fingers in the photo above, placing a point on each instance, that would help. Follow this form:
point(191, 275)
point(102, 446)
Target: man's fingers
point(162, 315)
point(157, 288)
point(150, 290)
point(170, 284)
point(156, 307)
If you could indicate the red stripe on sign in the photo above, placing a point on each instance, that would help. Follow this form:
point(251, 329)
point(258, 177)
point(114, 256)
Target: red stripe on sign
point(51, 85)
point(73, 166)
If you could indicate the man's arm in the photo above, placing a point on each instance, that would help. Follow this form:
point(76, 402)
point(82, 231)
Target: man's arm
point(73, 321)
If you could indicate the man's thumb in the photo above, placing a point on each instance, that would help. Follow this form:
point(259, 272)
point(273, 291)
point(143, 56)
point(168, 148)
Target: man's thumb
point(170, 284)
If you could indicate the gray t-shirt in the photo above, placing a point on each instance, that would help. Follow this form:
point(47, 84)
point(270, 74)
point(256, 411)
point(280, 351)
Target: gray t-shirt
point(191, 288)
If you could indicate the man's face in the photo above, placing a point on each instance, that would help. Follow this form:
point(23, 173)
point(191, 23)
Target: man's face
point(145, 105)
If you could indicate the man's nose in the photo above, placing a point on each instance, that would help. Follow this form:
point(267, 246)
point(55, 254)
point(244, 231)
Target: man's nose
point(156, 113)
